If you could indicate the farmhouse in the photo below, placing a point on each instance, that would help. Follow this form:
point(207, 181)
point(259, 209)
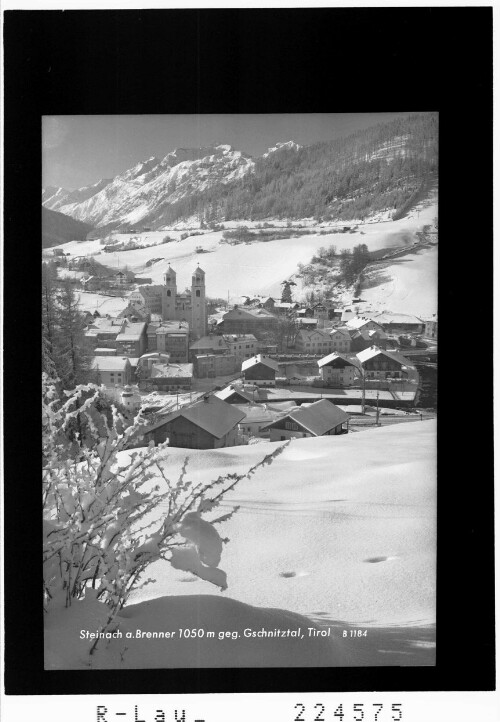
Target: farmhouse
point(260, 370)
point(322, 418)
point(380, 364)
point(338, 371)
point(207, 424)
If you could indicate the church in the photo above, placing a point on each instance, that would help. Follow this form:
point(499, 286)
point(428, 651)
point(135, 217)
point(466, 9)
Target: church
point(190, 306)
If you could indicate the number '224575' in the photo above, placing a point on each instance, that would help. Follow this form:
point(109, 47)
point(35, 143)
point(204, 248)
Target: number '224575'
point(360, 713)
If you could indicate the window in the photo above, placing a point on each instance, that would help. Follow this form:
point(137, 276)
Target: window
point(169, 293)
point(198, 292)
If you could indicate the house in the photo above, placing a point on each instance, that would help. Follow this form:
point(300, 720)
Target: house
point(362, 338)
point(338, 370)
point(313, 342)
point(304, 322)
point(207, 424)
point(335, 316)
point(211, 344)
point(380, 364)
point(132, 341)
point(234, 394)
point(172, 378)
point(146, 362)
point(213, 365)
point(362, 323)
point(260, 370)
point(255, 321)
point(113, 370)
point(305, 312)
point(431, 327)
point(135, 312)
point(321, 418)
point(172, 337)
point(320, 311)
point(242, 346)
point(399, 322)
point(340, 340)
point(257, 419)
point(102, 332)
point(268, 304)
point(285, 309)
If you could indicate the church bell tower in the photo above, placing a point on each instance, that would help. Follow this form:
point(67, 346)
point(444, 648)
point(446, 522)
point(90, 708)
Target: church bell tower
point(169, 294)
point(198, 304)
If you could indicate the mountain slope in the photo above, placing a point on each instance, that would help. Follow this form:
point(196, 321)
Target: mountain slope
point(58, 228)
point(384, 168)
point(144, 189)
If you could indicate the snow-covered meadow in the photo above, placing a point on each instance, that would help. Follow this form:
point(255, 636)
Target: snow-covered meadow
point(258, 268)
point(338, 530)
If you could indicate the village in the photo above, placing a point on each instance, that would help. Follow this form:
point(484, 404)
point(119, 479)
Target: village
point(209, 376)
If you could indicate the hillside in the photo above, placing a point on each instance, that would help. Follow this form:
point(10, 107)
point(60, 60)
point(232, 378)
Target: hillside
point(259, 267)
point(58, 228)
point(352, 542)
point(386, 168)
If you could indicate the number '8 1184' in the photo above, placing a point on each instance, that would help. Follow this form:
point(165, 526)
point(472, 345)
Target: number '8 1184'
point(359, 713)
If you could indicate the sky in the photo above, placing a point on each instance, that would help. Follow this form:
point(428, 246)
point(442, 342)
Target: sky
point(79, 150)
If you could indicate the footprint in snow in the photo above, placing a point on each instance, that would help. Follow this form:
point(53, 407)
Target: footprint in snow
point(376, 560)
point(287, 575)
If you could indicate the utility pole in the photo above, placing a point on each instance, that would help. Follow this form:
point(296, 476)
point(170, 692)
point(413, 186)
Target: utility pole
point(362, 391)
point(377, 409)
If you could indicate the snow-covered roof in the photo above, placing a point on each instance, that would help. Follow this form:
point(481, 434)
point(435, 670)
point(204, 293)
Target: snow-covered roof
point(360, 321)
point(342, 331)
point(230, 391)
point(132, 332)
point(259, 359)
point(369, 353)
point(248, 313)
point(389, 317)
point(208, 342)
point(210, 413)
point(332, 357)
point(317, 418)
point(235, 338)
point(172, 371)
point(110, 363)
point(309, 335)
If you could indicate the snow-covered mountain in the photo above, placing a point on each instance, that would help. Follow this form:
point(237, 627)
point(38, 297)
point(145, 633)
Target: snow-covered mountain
point(387, 167)
point(142, 190)
point(289, 145)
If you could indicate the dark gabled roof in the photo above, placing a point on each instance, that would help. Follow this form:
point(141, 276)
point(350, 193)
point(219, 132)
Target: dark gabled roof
point(213, 415)
point(317, 418)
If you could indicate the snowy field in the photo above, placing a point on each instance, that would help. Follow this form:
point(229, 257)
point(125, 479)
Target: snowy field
point(98, 302)
point(259, 268)
point(339, 530)
point(408, 285)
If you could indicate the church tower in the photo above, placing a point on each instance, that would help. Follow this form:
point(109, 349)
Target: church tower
point(198, 304)
point(169, 294)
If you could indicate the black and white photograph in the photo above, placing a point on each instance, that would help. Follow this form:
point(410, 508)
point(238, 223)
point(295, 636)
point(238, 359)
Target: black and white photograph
point(240, 340)
point(265, 493)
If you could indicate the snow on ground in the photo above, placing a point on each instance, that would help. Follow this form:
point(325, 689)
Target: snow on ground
point(259, 268)
point(408, 284)
point(340, 529)
point(302, 540)
point(104, 304)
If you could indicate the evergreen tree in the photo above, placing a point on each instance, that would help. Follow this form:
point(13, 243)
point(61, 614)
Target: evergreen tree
point(73, 359)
